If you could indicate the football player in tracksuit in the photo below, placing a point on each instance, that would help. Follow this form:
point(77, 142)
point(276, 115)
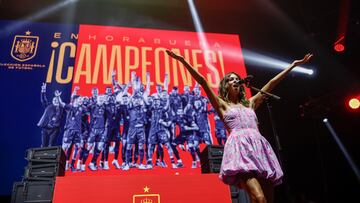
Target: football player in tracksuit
point(136, 132)
point(200, 104)
point(159, 134)
point(51, 119)
point(176, 113)
point(85, 131)
point(189, 129)
point(125, 122)
point(73, 128)
point(113, 130)
point(201, 119)
point(137, 121)
point(122, 98)
point(98, 135)
point(161, 92)
point(186, 99)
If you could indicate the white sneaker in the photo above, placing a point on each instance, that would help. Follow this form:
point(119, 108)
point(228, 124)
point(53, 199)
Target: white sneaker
point(126, 167)
point(78, 165)
point(142, 167)
point(106, 165)
point(134, 165)
point(149, 166)
point(116, 164)
point(82, 167)
point(92, 166)
point(193, 165)
point(173, 165)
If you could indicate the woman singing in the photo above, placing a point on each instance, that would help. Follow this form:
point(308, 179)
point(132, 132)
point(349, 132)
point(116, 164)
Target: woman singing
point(248, 161)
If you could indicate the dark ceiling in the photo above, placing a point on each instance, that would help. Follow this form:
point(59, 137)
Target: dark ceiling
point(284, 29)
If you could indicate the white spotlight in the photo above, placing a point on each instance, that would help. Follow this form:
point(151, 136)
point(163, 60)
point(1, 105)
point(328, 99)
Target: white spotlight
point(266, 61)
point(249, 56)
point(38, 15)
point(198, 26)
point(343, 150)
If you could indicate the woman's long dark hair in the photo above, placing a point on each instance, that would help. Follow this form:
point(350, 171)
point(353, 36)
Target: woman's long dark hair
point(224, 90)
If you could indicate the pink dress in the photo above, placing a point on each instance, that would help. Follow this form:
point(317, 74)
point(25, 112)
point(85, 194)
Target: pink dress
point(246, 150)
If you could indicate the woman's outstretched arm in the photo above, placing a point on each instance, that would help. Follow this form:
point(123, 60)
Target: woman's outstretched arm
point(257, 99)
point(215, 101)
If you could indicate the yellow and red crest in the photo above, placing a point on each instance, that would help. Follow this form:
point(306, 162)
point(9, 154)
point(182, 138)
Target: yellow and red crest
point(24, 47)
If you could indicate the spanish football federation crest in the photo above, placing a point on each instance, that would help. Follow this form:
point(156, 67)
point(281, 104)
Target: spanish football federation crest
point(24, 47)
point(146, 198)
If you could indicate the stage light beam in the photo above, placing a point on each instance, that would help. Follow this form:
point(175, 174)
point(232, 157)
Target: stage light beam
point(269, 62)
point(343, 149)
point(37, 16)
point(198, 26)
point(249, 56)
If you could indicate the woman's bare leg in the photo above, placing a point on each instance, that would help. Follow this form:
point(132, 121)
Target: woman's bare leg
point(268, 190)
point(254, 190)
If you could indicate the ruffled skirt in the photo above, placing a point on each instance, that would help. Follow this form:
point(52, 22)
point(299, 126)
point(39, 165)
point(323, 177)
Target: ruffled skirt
point(248, 153)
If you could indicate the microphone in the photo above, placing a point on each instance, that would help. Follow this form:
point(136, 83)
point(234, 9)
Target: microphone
point(245, 80)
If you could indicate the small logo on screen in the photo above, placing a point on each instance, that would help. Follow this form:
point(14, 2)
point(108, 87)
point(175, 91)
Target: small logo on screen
point(24, 47)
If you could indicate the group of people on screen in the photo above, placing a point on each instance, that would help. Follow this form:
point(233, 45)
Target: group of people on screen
point(132, 123)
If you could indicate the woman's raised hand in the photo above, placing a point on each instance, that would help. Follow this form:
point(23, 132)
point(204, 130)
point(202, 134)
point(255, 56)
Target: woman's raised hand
point(306, 58)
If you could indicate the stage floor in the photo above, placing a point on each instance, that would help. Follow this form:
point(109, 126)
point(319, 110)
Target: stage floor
point(141, 188)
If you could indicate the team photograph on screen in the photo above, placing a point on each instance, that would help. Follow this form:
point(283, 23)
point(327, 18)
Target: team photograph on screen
point(138, 128)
